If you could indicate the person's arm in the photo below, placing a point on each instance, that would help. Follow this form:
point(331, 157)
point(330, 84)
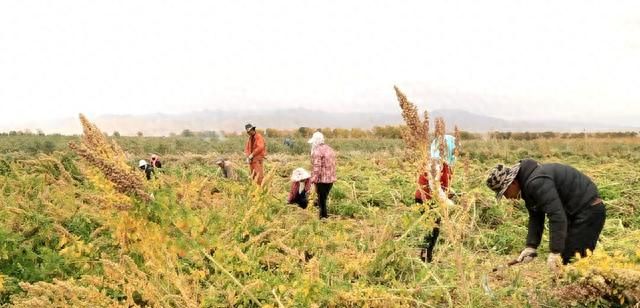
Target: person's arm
point(423, 187)
point(546, 197)
point(307, 186)
point(422, 180)
point(536, 226)
point(292, 192)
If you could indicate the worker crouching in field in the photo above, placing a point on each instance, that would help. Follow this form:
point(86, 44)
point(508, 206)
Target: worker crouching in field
point(227, 167)
point(155, 161)
point(255, 151)
point(323, 159)
point(300, 188)
point(147, 168)
point(565, 195)
point(424, 193)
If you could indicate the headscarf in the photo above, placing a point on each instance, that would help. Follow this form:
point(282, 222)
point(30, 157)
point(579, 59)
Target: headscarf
point(316, 140)
point(501, 177)
point(449, 147)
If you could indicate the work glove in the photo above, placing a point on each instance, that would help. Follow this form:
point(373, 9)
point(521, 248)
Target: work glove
point(247, 160)
point(554, 262)
point(527, 255)
point(251, 156)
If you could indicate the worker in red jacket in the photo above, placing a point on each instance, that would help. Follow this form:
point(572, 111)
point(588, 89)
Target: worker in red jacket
point(424, 192)
point(300, 188)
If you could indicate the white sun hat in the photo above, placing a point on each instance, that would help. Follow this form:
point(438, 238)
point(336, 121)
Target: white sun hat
point(299, 174)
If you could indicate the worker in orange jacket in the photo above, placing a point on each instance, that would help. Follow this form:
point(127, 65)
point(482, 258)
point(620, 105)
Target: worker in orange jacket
point(255, 151)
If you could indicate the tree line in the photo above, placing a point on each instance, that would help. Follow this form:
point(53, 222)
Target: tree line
point(381, 132)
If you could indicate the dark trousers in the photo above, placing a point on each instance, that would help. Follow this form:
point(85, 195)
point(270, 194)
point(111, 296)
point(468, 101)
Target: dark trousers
point(323, 190)
point(430, 240)
point(583, 231)
point(301, 200)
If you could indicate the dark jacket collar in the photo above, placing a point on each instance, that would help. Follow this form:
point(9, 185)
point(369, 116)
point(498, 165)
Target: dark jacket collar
point(527, 167)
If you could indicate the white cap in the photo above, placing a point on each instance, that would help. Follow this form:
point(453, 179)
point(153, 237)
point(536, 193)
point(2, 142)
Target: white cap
point(142, 162)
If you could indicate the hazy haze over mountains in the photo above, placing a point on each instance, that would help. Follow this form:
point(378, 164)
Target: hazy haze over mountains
point(164, 124)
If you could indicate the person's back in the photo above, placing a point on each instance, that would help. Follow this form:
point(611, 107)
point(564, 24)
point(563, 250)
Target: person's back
point(227, 167)
point(574, 189)
point(155, 161)
point(146, 167)
point(324, 164)
point(228, 170)
point(323, 160)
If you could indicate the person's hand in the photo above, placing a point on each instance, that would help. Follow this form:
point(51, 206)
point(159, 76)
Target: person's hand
point(554, 262)
point(251, 156)
point(527, 255)
point(247, 160)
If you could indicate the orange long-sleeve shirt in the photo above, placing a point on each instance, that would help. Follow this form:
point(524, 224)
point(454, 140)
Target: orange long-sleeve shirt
point(256, 146)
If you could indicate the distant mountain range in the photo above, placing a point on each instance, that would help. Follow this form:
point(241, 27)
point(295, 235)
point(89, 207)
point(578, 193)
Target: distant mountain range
point(208, 120)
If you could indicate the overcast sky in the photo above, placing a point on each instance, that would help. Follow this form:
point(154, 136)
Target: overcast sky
point(513, 59)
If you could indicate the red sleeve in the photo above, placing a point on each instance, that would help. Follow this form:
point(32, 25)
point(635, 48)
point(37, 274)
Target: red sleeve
point(307, 186)
point(422, 180)
point(423, 192)
point(292, 192)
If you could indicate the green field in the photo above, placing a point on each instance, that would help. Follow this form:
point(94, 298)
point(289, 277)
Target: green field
point(68, 238)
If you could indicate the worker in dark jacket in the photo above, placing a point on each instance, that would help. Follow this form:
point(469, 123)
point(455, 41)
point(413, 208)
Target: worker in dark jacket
point(565, 195)
point(147, 168)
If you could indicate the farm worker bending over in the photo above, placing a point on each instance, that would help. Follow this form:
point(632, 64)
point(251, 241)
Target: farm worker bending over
point(424, 192)
point(228, 170)
point(323, 160)
point(289, 142)
point(300, 188)
point(155, 161)
point(255, 151)
point(146, 167)
point(565, 195)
